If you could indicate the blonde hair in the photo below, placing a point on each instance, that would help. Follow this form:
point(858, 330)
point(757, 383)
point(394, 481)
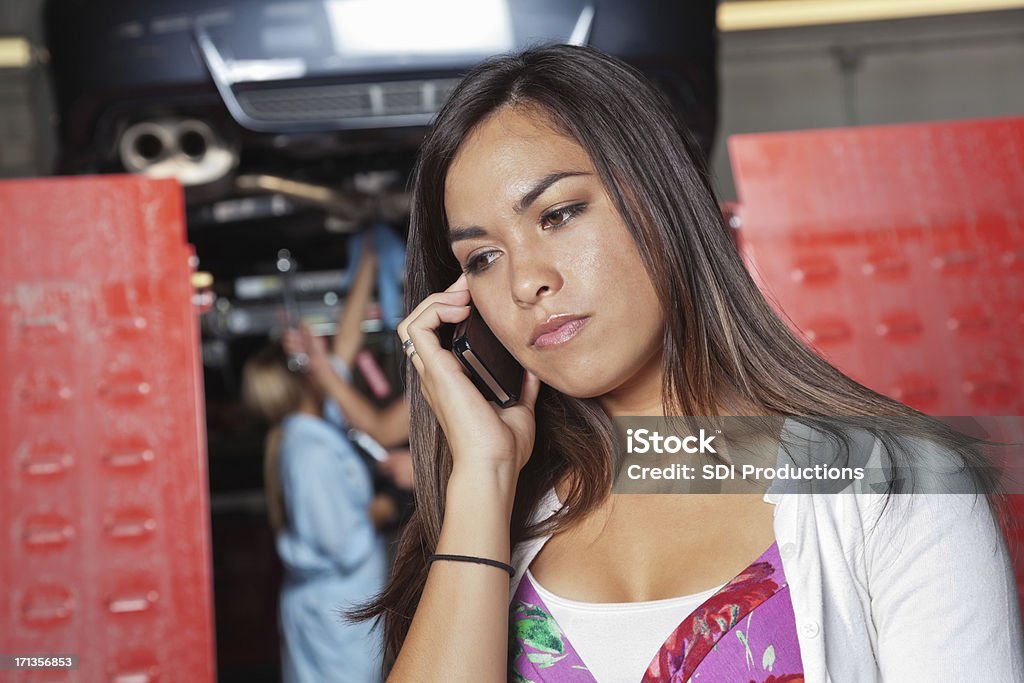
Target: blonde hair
point(272, 391)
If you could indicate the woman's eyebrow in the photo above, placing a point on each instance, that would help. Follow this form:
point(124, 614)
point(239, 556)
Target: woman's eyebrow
point(456, 234)
point(540, 186)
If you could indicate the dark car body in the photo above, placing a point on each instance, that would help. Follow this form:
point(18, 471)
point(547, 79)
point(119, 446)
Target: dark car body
point(374, 69)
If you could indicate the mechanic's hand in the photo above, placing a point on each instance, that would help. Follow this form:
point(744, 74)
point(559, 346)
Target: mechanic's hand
point(302, 340)
point(480, 433)
point(398, 466)
point(383, 511)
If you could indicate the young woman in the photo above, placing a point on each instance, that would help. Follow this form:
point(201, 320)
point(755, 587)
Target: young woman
point(325, 517)
point(556, 192)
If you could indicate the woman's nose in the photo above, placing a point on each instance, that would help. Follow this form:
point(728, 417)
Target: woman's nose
point(534, 277)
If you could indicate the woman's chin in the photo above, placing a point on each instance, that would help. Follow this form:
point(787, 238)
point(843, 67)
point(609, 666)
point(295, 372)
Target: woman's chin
point(574, 387)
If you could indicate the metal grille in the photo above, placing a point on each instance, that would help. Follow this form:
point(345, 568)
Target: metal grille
point(361, 100)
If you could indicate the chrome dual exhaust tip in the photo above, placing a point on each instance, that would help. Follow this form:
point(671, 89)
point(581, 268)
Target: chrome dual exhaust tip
point(187, 149)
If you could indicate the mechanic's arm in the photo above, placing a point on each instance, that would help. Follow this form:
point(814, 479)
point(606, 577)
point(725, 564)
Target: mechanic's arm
point(389, 426)
point(348, 336)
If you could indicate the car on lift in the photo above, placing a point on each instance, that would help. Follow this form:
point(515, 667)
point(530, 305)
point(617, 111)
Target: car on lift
point(264, 109)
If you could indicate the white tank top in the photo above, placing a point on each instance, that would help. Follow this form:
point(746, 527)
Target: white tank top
point(617, 640)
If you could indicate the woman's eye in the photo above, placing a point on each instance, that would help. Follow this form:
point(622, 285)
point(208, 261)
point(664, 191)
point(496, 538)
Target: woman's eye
point(553, 219)
point(559, 217)
point(480, 262)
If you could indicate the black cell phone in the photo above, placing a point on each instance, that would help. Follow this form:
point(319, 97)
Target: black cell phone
point(494, 371)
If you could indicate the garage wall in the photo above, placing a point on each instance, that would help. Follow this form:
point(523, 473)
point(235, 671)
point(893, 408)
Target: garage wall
point(953, 67)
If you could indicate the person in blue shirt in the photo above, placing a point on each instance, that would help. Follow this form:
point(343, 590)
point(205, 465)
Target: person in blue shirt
point(330, 364)
point(324, 514)
point(374, 259)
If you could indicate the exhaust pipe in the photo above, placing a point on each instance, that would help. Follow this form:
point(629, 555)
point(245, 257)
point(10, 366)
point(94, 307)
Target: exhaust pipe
point(187, 149)
point(348, 209)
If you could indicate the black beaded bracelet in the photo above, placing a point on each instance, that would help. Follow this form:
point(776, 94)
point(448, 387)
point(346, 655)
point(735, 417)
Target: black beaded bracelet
point(479, 560)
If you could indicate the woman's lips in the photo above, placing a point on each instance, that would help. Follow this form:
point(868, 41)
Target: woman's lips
point(561, 335)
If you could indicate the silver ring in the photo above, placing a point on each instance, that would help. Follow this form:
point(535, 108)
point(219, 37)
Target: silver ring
point(406, 345)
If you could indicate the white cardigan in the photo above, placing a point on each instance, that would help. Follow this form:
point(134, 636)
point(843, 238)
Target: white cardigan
point(929, 596)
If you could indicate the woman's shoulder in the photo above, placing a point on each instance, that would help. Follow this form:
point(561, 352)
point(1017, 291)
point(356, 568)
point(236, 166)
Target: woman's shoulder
point(905, 490)
point(905, 501)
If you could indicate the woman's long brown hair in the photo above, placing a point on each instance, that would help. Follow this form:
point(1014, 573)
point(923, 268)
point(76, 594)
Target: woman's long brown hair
point(722, 339)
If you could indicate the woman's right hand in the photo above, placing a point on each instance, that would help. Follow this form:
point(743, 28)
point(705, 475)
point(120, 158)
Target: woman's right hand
point(480, 433)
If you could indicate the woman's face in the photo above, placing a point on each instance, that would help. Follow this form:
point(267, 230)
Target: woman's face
point(539, 237)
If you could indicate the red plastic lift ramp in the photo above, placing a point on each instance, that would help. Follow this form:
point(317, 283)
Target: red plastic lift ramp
point(897, 252)
point(104, 503)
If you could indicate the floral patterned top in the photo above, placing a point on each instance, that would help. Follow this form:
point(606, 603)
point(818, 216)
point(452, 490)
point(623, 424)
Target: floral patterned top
point(744, 632)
